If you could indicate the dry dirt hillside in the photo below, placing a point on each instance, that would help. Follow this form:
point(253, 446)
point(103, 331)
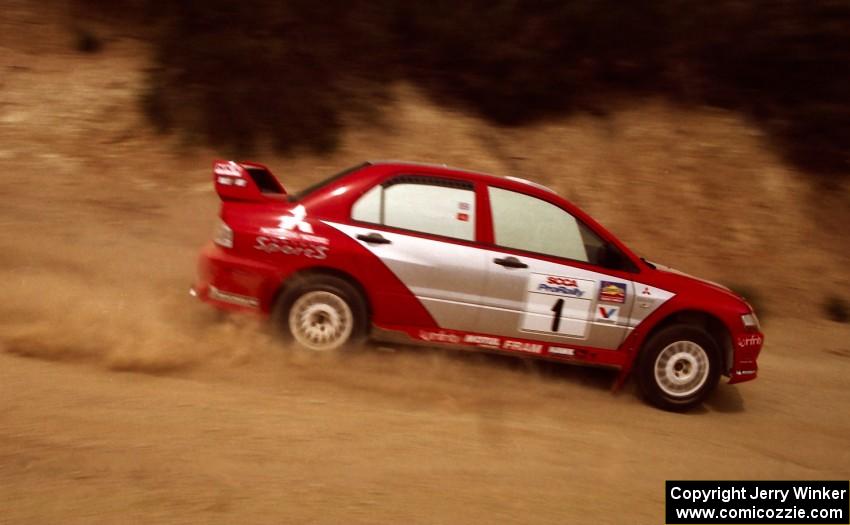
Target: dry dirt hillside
point(121, 399)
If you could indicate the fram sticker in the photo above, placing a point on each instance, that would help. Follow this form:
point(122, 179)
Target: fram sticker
point(522, 346)
point(463, 217)
point(607, 314)
point(612, 292)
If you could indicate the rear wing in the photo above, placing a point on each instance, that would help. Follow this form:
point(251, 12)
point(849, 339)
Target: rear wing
point(246, 182)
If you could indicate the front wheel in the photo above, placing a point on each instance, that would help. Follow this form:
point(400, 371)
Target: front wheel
point(322, 313)
point(679, 367)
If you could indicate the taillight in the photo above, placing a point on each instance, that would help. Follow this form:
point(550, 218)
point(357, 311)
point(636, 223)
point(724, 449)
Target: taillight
point(223, 235)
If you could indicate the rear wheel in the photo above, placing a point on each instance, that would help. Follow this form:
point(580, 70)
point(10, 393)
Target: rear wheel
point(679, 367)
point(322, 313)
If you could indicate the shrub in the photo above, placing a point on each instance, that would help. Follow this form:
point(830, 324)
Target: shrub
point(836, 309)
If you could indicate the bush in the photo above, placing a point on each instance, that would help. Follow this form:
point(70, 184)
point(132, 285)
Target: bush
point(753, 297)
point(239, 71)
point(836, 309)
point(87, 42)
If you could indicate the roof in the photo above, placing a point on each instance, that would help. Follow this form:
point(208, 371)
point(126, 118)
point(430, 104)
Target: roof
point(390, 162)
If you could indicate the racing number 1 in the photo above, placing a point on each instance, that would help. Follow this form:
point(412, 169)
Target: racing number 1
point(556, 319)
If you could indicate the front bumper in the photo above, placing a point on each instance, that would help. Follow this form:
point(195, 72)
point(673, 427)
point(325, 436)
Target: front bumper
point(746, 349)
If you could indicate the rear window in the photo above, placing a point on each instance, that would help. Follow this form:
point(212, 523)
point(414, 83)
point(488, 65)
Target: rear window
point(300, 195)
point(421, 204)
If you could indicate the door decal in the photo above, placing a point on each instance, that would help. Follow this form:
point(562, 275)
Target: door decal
point(557, 305)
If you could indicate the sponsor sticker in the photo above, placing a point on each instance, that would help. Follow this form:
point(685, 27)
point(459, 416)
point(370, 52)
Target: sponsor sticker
point(558, 304)
point(749, 340)
point(563, 286)
point(293, 246)
point(282, 233)
point(560, 350)
point(463, 217)
point(463, 206)
point(227, 168)
point(439, 337)
point(522, 346)
point(612, 292)
point(482, 340)
point(228, 297)
point(607, 314)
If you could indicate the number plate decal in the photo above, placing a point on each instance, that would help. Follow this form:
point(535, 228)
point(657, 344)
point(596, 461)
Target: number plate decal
point(556, 304)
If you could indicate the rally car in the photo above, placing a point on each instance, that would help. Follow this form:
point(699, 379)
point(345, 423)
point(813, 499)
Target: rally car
point(407, 252)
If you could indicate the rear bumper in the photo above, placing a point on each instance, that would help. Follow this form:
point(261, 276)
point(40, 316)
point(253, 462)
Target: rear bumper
point(747, 347)
point(231, 282)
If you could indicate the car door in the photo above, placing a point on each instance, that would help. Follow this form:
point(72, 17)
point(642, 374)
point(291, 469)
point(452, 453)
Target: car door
point(541, 282)
point(423, 228)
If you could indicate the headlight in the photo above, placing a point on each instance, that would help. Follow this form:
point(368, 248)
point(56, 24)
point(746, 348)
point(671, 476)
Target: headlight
point(750, 320)
point(223, 235)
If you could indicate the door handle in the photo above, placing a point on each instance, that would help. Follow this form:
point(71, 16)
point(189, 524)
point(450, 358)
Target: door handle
point(374, 238)
point(510, 262)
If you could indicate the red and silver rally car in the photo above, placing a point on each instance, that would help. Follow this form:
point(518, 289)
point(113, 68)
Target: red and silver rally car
point(405, 252)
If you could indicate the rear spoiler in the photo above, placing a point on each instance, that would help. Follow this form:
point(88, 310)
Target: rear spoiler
point(246, 182)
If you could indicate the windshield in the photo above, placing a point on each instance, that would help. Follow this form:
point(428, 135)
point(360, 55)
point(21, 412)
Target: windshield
point(295, 197)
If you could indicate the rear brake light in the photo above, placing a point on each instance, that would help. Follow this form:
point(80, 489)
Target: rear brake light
point(223, 235)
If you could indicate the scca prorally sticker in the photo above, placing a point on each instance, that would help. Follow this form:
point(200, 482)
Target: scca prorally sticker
point(558, 304)
point(612, 292)
point(607, 314)
point(294, 246)
point(556, 285)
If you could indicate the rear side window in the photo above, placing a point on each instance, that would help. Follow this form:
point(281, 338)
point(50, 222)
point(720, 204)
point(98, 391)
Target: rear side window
point(534, 225)
point(421, 204)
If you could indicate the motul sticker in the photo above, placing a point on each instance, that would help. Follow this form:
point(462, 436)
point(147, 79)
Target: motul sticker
point(482, 340)
point(607, 314)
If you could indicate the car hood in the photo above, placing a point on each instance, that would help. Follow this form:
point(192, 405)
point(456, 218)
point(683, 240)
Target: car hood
point(678, 281)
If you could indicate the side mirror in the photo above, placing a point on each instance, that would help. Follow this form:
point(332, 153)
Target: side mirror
point(612, 258)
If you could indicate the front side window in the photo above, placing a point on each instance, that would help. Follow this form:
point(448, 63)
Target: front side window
point(534, 225)
point(436, 207)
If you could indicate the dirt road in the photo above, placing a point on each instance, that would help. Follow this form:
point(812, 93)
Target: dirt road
point(123, 400)
point(407, 436)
